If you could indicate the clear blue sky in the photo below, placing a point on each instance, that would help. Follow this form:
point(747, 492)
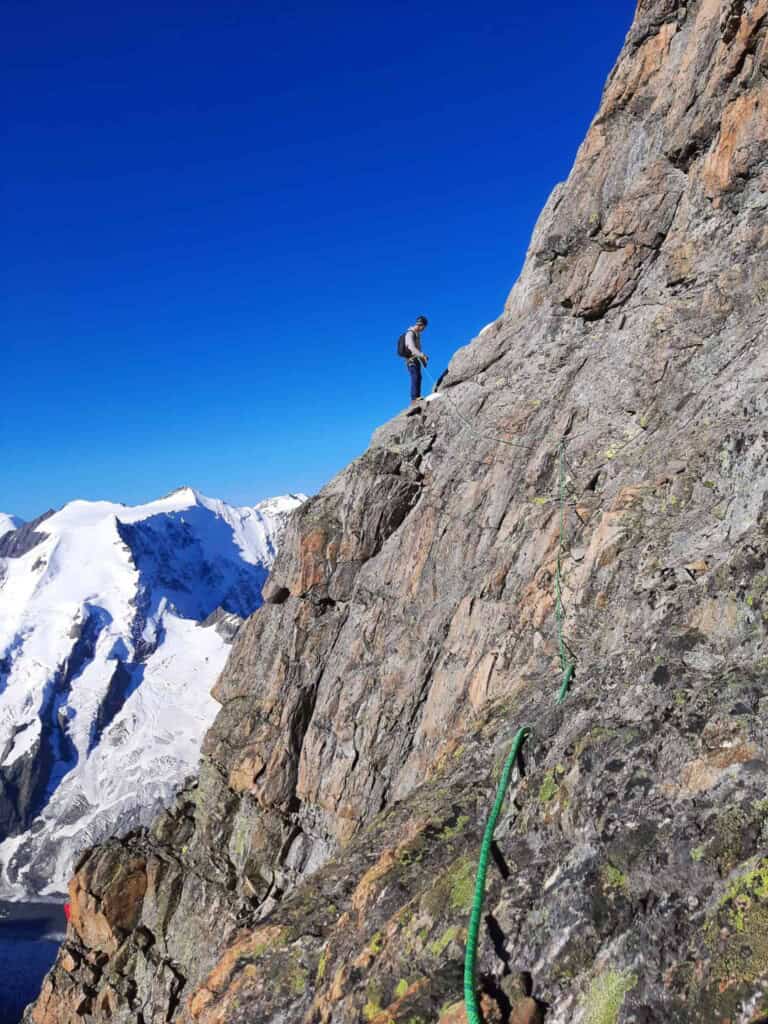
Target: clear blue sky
point(217, 218)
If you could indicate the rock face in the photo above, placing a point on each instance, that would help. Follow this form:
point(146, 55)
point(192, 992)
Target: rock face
point(321, 869)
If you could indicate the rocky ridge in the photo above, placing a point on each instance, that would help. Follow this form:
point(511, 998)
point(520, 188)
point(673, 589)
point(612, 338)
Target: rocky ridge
point(320, 870)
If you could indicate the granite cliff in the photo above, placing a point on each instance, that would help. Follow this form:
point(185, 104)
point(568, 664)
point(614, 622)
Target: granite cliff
point(320, 869)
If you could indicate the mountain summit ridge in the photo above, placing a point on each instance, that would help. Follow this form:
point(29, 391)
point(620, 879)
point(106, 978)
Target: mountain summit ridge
point(608, 427)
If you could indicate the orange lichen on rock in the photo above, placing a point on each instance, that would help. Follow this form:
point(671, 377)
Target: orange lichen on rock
point(98, 919)
point(247, 946)
point(55, 1006)
point(635, 72)
point(367, 888)
point(743, 131)
point(243, 775)
point(705, 772)
point(313, 564)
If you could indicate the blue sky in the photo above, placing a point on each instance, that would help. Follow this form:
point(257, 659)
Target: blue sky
point(219, 216)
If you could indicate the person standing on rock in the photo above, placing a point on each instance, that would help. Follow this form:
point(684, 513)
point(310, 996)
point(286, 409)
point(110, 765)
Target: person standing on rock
point(414, 357)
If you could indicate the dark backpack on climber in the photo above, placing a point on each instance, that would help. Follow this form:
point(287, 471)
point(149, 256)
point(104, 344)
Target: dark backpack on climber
point(402, 351)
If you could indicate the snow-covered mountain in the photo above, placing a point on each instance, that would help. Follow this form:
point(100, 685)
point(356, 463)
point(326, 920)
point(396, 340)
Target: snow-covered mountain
point(8, 523)
point(114, 624)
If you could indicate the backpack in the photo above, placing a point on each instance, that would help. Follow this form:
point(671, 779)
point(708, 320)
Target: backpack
point(401, 349)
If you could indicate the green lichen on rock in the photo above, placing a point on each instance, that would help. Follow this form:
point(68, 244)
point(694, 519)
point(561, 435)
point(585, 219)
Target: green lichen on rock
point(737, 934)
point(297, 979)
point(451, 831)
point(371, 1009)
point(322, 967)
point(463, 884)
point(760, 808)
point(614, 879)
point(450, 1010)
point(453, 889)
point(438, 947)
point(730, 829)
point(606, 995)
point(372, 1005)
point(411, 856)
point(548, 789)
point(261, 948)
point(240, 839)
point(744, 891)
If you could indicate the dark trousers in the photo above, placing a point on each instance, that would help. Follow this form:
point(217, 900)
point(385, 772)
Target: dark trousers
point(414, 368)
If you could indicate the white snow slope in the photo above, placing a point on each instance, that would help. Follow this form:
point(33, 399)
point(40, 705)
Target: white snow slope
point(105, 670)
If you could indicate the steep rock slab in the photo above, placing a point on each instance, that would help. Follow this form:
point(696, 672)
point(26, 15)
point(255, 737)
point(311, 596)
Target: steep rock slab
point(322, 868)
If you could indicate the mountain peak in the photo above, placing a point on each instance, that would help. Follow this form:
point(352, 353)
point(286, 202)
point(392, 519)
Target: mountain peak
point(185, 493)
point(113, 592)
point(9, 522)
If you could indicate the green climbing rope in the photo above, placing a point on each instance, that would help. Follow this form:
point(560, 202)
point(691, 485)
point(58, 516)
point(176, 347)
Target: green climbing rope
point(492, 437)
point(567, 667)
point(470, 996)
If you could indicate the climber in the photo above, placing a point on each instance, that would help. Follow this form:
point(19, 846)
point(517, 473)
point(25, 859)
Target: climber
point(409, 346)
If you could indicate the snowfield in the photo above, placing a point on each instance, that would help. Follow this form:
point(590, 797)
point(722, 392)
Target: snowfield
point(106, 668)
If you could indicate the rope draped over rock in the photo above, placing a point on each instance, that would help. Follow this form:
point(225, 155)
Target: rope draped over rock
point(567, 667)
point(470, 997)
